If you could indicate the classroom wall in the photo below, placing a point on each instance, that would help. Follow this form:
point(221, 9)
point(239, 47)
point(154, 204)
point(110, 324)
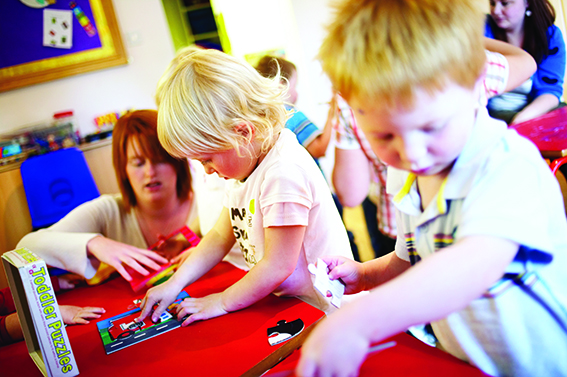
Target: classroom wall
point(149, 48)
point(295, 26)
point(253, 26)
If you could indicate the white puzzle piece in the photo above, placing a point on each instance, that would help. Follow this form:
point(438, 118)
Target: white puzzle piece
point(327, 287)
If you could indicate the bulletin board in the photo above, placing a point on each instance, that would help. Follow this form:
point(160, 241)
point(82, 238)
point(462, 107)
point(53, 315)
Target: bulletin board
point(44, 40)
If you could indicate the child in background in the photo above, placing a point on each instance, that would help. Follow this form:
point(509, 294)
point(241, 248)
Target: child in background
point(480, 217)
point(278, 208)
point(308, 134)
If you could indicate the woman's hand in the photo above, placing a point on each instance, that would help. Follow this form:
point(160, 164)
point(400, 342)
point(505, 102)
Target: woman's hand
point(116, 254)
point(73, 315)
point(350, 272)
point(198, 309)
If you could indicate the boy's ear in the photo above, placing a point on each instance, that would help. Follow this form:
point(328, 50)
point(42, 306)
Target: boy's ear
point(246, 130)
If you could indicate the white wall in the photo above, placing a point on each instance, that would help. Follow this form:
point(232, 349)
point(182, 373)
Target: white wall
point(252, 26)
point(314, 87)
point(297, 27)
point(149, 48)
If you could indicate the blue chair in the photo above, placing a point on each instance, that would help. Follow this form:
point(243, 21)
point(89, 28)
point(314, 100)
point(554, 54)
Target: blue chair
point(55, 183)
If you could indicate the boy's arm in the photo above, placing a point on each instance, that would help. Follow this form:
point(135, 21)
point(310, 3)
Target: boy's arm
point(318, 147)
point(521, 64)
point(207, 254)
point(351, 170)
point(432, 289)
point(351, 176)
point(281, 254)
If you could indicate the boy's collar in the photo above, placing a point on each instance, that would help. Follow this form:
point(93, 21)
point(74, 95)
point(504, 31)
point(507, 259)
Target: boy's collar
point(485, 134)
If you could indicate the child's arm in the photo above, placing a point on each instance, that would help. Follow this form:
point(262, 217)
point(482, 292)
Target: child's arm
point(207, 254)
point(281, 253)
point(351, 170)
point(365, 276)
point(11, 329)
point(73, 315)
point(351, 176)
point(539, 106)
point(521, 64)
point(435, 287)
point(318, 147)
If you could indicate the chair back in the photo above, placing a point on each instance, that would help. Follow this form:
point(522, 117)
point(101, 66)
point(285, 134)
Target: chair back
point(55, 183)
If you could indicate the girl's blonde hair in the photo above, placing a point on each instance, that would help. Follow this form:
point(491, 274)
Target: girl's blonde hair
point(382, 49)
point(203, 97)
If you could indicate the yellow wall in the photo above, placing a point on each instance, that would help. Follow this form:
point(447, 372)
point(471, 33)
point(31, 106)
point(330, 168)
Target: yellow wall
point(561, 15)
point(560, 12)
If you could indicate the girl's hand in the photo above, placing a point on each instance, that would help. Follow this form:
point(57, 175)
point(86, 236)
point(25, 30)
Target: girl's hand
point(116, 254)
point(349, 271)
point(200, 309)
point(336, 347)
point(162, 296)
point(73, 315)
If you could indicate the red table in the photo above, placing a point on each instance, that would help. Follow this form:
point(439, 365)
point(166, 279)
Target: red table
point(231, 345)
point(549, 133)
point(409, 357)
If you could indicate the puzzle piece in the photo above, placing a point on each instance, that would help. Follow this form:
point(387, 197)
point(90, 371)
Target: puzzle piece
point(284, 331)
point(327, 287)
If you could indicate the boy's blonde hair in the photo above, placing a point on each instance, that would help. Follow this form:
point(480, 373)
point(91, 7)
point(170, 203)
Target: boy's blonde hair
point(205, 94)
point(381, 49)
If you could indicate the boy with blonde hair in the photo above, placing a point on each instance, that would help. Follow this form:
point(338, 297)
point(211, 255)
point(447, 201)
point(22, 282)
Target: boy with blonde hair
point(480, 217)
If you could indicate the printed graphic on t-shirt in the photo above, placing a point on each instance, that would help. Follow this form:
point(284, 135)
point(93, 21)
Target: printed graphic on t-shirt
point(241, 223)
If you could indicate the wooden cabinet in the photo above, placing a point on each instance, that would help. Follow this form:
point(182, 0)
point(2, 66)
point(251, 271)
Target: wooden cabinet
point(15, 221)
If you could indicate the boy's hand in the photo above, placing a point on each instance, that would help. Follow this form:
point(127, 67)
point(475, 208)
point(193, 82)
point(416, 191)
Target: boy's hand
point(349, 271)
point(336, 347)
point(162, 295)
point(73, 315)
point(200, 309)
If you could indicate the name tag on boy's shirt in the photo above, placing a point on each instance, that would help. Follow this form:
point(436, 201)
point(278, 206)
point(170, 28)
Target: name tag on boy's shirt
point(327, 287)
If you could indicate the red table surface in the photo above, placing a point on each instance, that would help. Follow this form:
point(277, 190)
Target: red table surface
point(409, 357)
point(548, 132)
point(224, 346)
